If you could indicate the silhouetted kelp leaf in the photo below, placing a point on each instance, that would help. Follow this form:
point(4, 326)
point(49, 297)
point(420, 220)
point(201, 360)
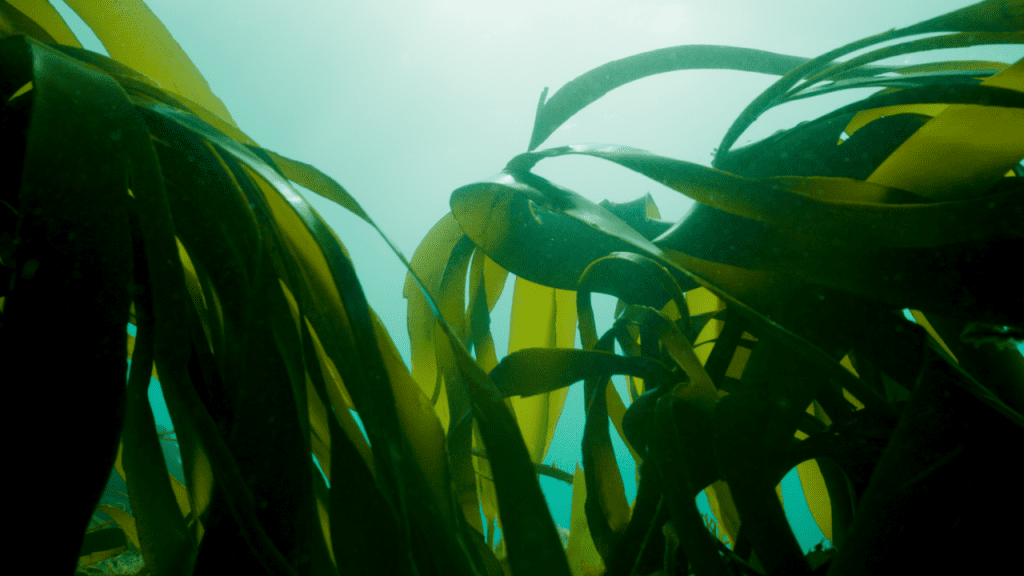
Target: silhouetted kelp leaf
point(634, 280)
point(179, 392)
point(913, 74)
point(672, 461)
point(408, 415)
point(641, 214)
point(75, 227)
point(247, 178)
point(986, 16)
point(843, 212)
point(589, 87)
point(921, 264)
point(504, 215)
point(532, 542)
point(580, 548)
point(933, 75)
point(536, 370)
point(830, 231)
point(739, 421)
point(442, 261)
point(606, 506)
point(429, 261)
point(479, 226)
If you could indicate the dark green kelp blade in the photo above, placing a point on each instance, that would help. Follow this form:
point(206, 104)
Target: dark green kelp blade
point(589, 87)
point(531, 539)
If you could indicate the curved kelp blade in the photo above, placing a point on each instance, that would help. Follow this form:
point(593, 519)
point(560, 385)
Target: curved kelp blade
point(450, 298)
point(538, 370)
point(634, 280)
point(839, 461)
point(930, 74)
point(985, 140)
point(838, 232)
point(693, 401)
point(260, 319)
point(541, 317)
point(464, 485)
point(640, 284)
point(606, 506)
point(744, 465)
point(487, 227)
point(530, 535)
point(841, 71)
point(907, 79)
point(72, 288)
point(36, 20)
point(171, 357)
point(486, 284)
point(309, 177)
point(218, 319)
point(430, 260)
point(587, 88)
point(840, 211)
point(383, 424)
point(580, 549)
point(505, 214)
point(148, 47)
point(987, 16)
point(166, 543)
point(674, 470)
point(836, 144)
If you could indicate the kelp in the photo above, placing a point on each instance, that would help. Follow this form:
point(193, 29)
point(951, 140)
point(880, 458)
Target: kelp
point(761, 332)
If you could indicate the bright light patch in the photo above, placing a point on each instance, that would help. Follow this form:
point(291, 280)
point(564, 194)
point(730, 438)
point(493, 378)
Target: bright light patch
point(666, 18)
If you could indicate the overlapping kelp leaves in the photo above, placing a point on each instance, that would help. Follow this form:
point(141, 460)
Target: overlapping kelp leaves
point(146, 204)
point(141, 201)
point(793, 268)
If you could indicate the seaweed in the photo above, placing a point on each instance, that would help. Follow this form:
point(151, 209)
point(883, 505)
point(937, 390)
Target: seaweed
point(761, 332)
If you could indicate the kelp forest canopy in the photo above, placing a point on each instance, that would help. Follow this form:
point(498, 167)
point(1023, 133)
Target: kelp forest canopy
point(761, 332)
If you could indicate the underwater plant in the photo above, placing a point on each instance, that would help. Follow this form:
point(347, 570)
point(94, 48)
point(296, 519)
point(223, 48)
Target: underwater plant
point(760, 332)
